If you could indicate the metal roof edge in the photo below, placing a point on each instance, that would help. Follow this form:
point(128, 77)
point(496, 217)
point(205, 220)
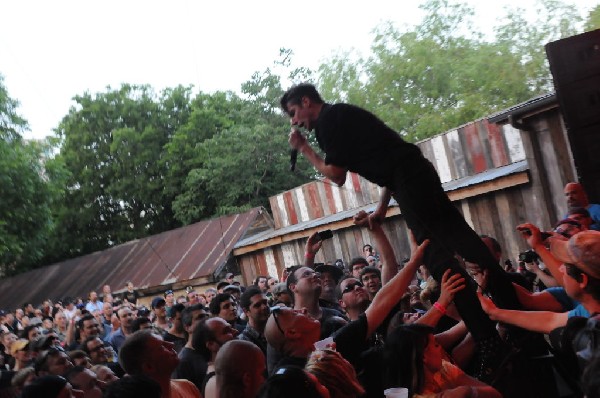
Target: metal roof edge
point(524, 107)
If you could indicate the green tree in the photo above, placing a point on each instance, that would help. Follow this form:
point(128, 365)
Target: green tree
point(25, 200)
point(246, 160)
point(24, 207)
point(526, 39)
point(113, 152)
point(437, 75)
point(593, 19)
point(11, 123)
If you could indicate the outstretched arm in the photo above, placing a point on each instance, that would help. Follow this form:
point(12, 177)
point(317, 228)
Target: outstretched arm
point(542, 301)
point(536, 321)
point(334, 173)
point(389, 268)
point(391, 293)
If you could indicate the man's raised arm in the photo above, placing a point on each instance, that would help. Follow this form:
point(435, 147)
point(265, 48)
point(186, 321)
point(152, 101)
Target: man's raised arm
point(391, 293)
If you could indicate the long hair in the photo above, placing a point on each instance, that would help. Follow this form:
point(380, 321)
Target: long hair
point(335, 373)
point(403, 357)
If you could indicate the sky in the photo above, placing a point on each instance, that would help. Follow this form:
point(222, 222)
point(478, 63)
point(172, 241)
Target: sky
point(51, 51)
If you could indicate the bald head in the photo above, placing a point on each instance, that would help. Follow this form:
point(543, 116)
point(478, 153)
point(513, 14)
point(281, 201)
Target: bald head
point(239, 369)
point(575, 195)
point(237, 356)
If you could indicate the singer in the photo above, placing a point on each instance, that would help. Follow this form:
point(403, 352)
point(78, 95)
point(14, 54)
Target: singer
point(354, 139)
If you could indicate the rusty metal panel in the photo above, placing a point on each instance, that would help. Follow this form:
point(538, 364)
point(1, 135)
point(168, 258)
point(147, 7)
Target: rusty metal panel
point(457, 154)
point(497, 145)
point(329, 195)
point(355, 182)
point(275, 211)
point(289, 208)
point(475, 148)
point(315, 204)
point(427, 150)
point(441, 158)
point(191, 252)
point(514, 142)
point(285, 221)
point(301, 203)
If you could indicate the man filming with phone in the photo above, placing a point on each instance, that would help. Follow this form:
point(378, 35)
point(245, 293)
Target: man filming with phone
point(348, 135)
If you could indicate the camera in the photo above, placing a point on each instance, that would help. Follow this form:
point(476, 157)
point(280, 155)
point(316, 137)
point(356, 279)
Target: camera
point(528, 256)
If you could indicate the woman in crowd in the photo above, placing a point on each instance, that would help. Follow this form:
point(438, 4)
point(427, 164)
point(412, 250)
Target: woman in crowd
point(335, 373)
point(413, 359)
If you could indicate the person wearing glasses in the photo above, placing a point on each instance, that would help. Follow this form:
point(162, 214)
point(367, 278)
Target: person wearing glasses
point(291, 333)
point(101, 354)
point(306, 285)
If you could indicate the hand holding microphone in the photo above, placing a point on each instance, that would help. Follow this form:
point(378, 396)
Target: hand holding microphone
point(296, 140)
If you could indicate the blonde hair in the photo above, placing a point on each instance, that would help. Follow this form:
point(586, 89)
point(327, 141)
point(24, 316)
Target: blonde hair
point(335, 373)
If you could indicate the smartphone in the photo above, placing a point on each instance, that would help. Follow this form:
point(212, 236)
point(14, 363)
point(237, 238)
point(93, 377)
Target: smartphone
point(327, 234)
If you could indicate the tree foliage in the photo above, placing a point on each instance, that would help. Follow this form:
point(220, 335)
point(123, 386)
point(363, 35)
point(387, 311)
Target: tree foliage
point(25, 203)
point(593, 19)
point(441, 74)
point(130, 162)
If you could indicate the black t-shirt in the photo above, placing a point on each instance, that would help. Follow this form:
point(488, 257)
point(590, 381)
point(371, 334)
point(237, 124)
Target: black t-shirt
point(192, 366)
point(130, 296)
point(178, 342)
point(357, 140)
point(351, 340)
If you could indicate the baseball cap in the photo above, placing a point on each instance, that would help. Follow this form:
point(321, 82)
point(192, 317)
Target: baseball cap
point(231, 288)
point(156, 301)
point(168, 292)
point(279, 288)
point(18, 346)
point(582, 250)
point(335, 271)
point(229, 275)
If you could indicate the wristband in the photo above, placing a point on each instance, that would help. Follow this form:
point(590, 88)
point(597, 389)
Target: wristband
point(309, 255)
point(439, 307)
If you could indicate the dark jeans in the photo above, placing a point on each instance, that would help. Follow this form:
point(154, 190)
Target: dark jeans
point(430, 215)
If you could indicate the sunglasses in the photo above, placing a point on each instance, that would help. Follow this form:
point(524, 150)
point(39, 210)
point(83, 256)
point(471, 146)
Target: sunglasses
point(276, 311)
point(350, 287)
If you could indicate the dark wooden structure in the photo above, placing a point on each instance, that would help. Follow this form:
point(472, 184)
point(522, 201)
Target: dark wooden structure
point(575, 65)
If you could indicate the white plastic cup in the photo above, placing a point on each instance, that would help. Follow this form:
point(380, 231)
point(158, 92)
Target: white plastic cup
point(324, 344)
point(398, 392)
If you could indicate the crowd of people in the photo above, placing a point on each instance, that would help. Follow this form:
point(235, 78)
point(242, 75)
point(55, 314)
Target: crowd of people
point(323, 330)
point(448, 321)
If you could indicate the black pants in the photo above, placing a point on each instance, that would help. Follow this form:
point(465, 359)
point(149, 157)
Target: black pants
point(430, 215)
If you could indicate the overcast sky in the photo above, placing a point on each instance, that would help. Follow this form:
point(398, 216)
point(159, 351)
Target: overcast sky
point(51, 51)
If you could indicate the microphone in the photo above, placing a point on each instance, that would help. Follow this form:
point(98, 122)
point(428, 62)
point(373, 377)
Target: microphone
point(293, 158)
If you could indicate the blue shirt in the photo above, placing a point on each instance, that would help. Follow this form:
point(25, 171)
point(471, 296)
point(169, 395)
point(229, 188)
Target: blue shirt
point(574, 307)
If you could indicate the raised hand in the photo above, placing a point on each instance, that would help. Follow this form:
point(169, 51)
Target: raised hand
point(450, 285)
